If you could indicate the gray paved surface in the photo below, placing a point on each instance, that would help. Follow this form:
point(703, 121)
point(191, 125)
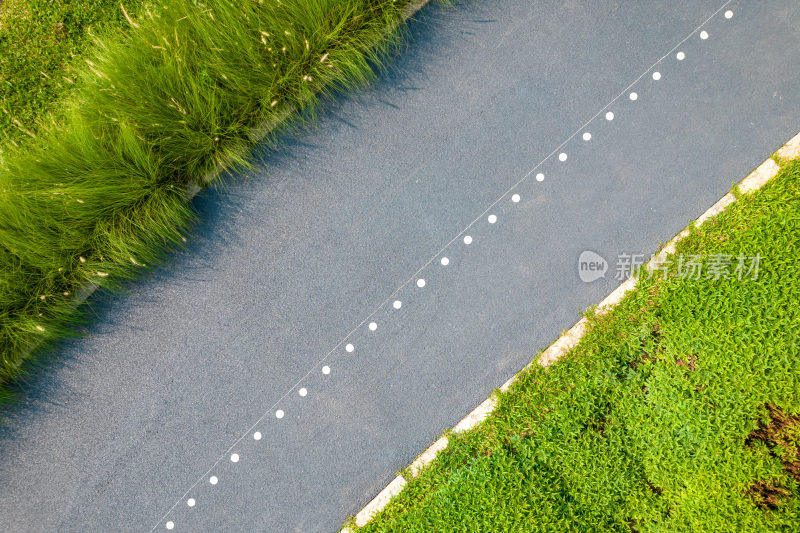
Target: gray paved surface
point(285, 264)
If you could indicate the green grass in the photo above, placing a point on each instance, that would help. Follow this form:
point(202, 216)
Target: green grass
point(99, 194)
point(678, 411)
point(41, 41)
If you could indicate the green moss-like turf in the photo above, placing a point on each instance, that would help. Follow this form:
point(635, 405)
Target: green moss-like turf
point(651, 423)
point(41, 41)
point(180, 93)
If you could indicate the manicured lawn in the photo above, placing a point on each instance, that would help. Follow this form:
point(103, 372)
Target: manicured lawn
point(678, 411)
point(176, 94)
point(41, 41)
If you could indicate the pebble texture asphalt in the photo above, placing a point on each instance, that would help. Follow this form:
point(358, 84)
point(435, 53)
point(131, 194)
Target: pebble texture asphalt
point(291, 263)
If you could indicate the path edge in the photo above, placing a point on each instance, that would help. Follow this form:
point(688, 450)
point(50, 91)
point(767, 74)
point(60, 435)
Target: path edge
point(193, 188)
point(754, 181)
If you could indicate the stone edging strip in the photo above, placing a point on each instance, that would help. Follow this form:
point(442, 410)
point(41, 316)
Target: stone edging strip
point(754, 181)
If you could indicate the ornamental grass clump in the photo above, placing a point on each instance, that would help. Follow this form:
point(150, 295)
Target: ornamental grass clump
point(171, 103)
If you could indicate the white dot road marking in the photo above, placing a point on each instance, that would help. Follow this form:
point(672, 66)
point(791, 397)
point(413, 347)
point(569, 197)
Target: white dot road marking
point(349, 348)
point(633, 96)
point(257, 435)
point(445, 261)
point(191, 502)
point(492, 219)
point(467, 240)
point(656, 75)
point(515, 198)
point(562, 157)
point(420, 283)
point(373, 326)
point(587, 136)
point(303, 392)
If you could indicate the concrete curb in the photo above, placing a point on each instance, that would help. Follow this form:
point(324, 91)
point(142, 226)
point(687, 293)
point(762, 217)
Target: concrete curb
point(568, 340)
point(379, 502)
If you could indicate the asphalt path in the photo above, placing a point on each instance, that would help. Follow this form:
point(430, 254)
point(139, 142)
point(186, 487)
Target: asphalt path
point(292, 262)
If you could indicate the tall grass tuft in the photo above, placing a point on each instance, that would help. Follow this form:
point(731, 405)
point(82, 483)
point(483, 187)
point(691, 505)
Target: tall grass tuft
point(175, 98)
